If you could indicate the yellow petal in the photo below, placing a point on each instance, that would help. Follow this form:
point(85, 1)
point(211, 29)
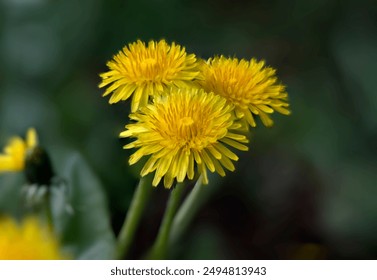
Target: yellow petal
point(31, 138)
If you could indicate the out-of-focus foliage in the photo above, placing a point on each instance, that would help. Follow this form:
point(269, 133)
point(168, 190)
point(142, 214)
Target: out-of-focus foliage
point(306, 189)
point(79, 207)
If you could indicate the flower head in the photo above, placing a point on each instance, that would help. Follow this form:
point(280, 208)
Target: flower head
point(27, 241)
point(181, 129)
point(250, 86)
point(143, 70)
point(13, 158)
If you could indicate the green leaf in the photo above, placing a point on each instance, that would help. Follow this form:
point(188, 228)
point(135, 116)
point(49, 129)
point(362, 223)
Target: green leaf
point(10, 190)
point(80, 211)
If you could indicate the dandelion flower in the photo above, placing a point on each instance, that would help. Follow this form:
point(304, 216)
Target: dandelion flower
point(250, 86)
point(142, 70)
point(27, 241)
point(13, 158)
point(183, 129)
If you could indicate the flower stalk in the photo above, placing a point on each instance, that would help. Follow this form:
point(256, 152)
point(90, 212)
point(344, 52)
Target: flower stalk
point(194, 201)
point(160, 247)
point(133, 216)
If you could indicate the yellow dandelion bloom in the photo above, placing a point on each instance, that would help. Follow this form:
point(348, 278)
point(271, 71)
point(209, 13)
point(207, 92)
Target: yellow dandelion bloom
point(143, 70)
point(27, 241)
point(13, 158)
point(250, 86)
point(181, 129)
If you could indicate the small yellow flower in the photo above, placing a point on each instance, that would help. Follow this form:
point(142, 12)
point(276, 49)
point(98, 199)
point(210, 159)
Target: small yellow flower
point(13, 158)
point(145, 70)
point(250, 86)
point(181, 128)
point(27, 241)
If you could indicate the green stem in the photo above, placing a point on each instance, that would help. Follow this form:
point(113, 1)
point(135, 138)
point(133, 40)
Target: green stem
point(192, 204)
point(160, 247)
point(133, 216)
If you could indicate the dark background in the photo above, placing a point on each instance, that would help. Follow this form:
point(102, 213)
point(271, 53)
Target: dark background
point(307, 187)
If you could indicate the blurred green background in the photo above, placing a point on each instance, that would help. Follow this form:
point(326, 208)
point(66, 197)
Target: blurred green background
point(306, 189)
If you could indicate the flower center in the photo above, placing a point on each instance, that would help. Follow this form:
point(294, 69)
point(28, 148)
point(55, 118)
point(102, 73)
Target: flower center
point(190, 120)
point(186, 121)
point(148, 64)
